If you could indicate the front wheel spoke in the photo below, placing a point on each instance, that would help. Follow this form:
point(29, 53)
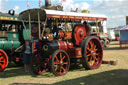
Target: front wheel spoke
point(56, 68)
point(1, 58)
point(56, 63)
point(57, 58)
point(60, 56)
point(2, 61)
point(2, 66)
point(63, 58)
point(65, 62)
point(60, 69)
point(0, 54)
point(63, 68)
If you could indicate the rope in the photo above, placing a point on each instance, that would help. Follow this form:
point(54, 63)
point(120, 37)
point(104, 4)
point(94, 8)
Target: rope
point(44, 27)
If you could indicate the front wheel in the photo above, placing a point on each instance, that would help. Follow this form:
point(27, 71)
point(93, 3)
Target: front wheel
point(3, 60)
point(92, 53)
point(60, 63)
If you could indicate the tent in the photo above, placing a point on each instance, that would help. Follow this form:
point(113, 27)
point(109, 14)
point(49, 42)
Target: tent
point(123, 35)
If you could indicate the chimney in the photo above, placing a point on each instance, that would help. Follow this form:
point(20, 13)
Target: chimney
point(47, 3)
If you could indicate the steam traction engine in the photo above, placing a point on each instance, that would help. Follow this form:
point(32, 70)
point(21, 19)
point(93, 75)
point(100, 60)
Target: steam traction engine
point(57, 49)
point(11, 39)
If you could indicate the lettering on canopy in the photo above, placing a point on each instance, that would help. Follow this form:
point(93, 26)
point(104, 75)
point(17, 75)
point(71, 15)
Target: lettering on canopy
point(8, 18)
point(75, 17)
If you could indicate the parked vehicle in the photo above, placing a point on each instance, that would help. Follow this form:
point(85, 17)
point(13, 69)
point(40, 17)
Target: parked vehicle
point(98, 29)
point(60, 39)
point(11, 39)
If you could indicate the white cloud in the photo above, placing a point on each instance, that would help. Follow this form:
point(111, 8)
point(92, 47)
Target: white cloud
point(68, 4)
point(3, 4)
point(16, 8)
point(116, 10)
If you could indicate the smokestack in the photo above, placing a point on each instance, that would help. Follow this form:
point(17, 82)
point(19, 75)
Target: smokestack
point(47, 3)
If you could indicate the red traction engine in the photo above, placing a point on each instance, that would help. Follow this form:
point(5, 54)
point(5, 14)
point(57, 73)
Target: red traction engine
point(56, 51)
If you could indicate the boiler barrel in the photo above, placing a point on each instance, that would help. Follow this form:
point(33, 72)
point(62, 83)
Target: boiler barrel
point(7, 45)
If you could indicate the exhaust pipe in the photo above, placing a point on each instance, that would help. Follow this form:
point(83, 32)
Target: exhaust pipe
point(47, 3)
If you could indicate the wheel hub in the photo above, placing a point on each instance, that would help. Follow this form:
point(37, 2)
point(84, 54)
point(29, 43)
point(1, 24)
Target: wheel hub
point(93, 53)
point(61, 62)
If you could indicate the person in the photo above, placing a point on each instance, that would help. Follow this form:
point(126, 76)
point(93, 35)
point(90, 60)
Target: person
point(87, 27)
point(27, 56)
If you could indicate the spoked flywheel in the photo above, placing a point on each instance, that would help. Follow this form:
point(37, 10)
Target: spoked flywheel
point(3, 60)
point(92, 53)
point(37, 65)
point(60, 63)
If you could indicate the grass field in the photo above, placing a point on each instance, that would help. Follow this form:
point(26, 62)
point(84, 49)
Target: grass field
point(105, 75)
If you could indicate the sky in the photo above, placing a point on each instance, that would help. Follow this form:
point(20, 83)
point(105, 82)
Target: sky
point(115, 10)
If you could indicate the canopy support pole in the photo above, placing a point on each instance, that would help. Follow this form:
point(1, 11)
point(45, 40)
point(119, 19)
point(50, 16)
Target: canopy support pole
point(29, 23)
point(39, 24)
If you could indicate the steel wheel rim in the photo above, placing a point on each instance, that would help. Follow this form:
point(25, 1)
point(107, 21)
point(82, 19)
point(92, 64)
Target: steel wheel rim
point(3, 60)
point(60, 63)
point(94, 53)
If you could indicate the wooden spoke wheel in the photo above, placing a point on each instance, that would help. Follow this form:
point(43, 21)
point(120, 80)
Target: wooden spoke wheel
point(92, 53)
point(106, 43)
point(60, 63)
point(3, 60)
point(102, 42)
point(37, 65)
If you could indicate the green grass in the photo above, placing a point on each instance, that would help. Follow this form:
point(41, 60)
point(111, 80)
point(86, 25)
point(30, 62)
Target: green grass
point(105, 75)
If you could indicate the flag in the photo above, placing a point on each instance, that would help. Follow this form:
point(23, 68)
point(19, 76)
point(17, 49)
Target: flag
point(39, 3)
point(27, 4)
point(63, 0)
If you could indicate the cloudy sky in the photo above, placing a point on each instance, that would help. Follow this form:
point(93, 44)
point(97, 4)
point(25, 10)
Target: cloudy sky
point(115, 10)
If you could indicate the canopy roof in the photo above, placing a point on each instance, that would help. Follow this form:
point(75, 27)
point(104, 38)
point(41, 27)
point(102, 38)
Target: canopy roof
point(59, 14)
point(123, 28)
point(8, 17)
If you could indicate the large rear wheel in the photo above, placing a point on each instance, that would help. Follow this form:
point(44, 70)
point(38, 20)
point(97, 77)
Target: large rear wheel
point(3, 60)
point(92, 53)
point(60, 63)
